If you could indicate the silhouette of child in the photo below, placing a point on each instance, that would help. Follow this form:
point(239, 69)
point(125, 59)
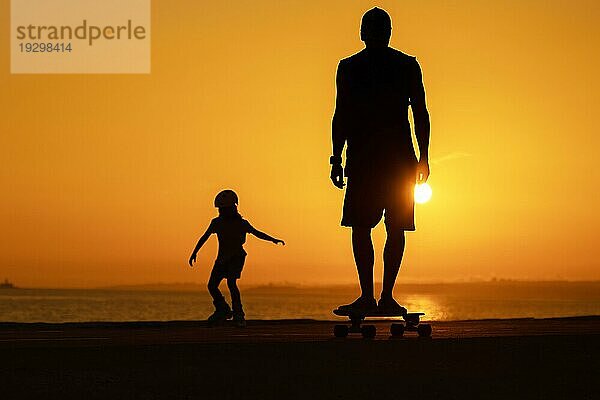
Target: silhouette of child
point(231, 230)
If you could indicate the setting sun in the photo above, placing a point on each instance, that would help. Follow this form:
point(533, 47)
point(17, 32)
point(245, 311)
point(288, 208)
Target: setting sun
point(422, 193)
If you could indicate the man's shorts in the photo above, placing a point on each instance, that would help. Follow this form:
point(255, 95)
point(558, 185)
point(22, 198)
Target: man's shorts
point(368, 196)
point(229, 269)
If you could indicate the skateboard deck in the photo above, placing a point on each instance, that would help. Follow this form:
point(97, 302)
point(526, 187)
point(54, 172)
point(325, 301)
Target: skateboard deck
point(375, 314)
point(411, 323)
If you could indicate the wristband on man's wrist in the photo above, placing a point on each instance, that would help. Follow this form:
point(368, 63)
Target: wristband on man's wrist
point(335, 160)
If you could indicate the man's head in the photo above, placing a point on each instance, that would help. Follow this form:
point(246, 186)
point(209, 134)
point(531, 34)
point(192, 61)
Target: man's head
point(376, 27)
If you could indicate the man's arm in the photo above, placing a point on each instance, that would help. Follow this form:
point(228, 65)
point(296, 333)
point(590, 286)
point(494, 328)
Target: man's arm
point(338, 133)
point(421, 120)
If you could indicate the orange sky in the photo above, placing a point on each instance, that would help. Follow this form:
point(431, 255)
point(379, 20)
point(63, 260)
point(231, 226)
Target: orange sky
point(109, 179)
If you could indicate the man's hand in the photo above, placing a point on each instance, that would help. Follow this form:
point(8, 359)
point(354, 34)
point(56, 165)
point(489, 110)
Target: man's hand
point(423, 170)
point(337, 175)
point(192, 259)
point(278, 241)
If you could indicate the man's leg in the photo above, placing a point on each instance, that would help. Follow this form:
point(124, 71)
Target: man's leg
point(362, 211)
point(392, 258)
point(364, 257)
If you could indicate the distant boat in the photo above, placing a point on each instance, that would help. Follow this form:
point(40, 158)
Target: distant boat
point(7, 285)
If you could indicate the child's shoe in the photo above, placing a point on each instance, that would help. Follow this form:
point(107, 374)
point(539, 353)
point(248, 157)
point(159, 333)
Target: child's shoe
point(239, 320)
point(222, 313)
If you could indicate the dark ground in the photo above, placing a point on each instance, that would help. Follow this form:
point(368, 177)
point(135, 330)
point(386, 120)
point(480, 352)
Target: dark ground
point(495, 359)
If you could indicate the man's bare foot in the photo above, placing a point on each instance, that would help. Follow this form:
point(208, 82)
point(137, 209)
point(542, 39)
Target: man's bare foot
point(390, 306)
point(362, 305)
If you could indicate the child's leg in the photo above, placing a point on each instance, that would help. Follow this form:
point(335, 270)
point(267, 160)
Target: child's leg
point(236, 300)
point(213, 288)
point(222, 310)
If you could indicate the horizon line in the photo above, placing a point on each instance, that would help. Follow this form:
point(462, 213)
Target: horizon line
point(299, 285)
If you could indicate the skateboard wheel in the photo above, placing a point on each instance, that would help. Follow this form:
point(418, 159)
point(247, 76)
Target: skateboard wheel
point(340, 331)
point(397, 329)
point(368, 331)
point(424, 330)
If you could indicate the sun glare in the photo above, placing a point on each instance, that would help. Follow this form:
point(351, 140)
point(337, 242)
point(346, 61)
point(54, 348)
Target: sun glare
point(422, 193)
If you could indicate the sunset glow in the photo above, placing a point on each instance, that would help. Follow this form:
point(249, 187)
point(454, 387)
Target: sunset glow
point(110, 178)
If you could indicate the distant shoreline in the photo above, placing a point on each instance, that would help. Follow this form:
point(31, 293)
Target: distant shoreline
point(299, 286)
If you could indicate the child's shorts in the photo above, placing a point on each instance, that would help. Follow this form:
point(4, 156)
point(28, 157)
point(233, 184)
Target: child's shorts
point(229, 269)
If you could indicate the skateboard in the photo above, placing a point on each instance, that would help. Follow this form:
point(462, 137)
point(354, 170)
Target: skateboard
point(411, 324)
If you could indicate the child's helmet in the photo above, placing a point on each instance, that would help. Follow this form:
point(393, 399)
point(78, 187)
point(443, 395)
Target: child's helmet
point(226, 198)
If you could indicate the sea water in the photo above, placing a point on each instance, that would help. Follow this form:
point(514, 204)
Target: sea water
point(457, 301)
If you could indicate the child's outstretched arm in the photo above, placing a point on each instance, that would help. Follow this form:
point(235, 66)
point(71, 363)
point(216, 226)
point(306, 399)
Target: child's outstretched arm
point(200, 243)
point(264, 236)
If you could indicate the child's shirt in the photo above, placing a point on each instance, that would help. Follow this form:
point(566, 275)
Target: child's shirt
point(231, 233)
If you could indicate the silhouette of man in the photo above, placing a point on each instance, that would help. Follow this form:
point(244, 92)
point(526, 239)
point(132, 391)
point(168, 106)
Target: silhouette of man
point(375, 87)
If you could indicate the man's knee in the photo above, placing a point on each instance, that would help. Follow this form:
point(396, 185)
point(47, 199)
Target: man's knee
point(394, 232)
point(395, 242)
